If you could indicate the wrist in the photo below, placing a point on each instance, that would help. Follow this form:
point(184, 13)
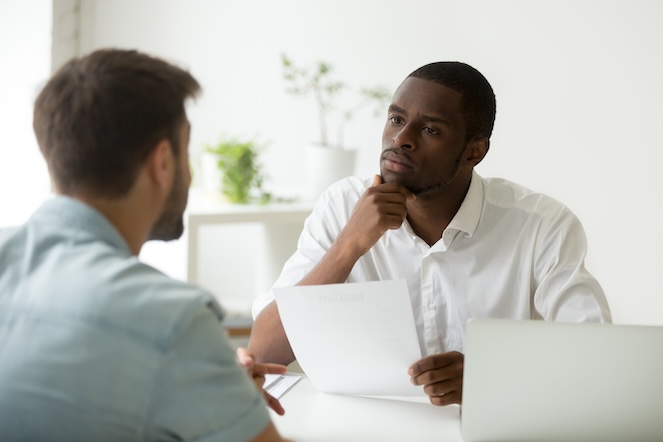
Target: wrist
point(348, 249)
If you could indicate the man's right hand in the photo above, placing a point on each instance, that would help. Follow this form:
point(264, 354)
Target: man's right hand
point(257, 373)
point(380, 208)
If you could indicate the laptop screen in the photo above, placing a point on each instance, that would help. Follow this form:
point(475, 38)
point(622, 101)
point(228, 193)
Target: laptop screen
point(536, 380)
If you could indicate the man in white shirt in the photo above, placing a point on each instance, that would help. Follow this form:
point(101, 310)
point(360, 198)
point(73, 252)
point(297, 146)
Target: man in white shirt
point(467, 246)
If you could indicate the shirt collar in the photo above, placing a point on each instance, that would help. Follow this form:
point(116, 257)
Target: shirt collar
point(467, 218)
point(69, 212)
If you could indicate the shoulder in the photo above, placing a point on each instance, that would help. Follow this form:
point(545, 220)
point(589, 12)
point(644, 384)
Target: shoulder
point(103, 288)
point(152, 306)
point(7, 232)
point(11, 246)
point(335, 205)
point(505, 194)
point(69, 264)
point(346, 189)
point(523, 209)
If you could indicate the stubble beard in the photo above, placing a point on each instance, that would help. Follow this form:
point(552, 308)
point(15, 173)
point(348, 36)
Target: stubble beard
point(170, 224)
point(442, 181)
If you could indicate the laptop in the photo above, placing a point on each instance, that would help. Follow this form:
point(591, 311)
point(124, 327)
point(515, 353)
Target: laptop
point(553, 381)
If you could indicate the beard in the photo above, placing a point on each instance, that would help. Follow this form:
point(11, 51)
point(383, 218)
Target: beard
point(439, 182)
point(170, 224)
point(442, 180)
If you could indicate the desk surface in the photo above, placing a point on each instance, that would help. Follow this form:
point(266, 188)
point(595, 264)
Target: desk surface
point(315, 416)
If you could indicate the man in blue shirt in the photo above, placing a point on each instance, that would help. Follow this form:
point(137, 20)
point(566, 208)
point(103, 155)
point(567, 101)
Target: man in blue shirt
point(94, 344)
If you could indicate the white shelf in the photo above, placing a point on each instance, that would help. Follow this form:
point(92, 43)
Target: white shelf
point(219, 263)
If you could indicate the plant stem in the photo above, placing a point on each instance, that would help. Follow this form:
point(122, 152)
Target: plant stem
point(322, 111)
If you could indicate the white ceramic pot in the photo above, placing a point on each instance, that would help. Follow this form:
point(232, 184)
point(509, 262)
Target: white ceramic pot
point(325, 166)
point(210, 177)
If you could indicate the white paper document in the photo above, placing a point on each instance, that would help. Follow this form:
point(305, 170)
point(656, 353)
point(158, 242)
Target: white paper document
point(278, 384)
point(355, 339)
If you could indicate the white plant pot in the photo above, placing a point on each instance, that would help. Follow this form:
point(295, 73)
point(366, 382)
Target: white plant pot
point(210, 175)
point(325, 166)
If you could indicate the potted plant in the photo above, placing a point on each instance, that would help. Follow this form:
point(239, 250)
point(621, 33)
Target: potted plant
point(242, 176)
point(329, 159)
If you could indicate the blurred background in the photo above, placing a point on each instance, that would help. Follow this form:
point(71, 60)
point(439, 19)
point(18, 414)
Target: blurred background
point(578, 86)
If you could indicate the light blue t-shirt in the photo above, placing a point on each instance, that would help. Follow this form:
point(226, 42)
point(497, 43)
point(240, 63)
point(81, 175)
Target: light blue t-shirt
point(97, 346)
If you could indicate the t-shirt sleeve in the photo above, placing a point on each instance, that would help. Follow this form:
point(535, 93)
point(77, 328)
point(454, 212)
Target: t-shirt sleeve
point(202, 394)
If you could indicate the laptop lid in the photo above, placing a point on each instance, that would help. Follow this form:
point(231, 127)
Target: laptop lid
point(536, 380)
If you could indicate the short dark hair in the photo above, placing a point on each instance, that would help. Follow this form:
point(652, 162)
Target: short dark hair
point(99, 116)
point(478, 104)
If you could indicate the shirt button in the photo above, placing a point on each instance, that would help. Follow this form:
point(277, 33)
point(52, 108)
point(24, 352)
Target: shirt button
point(432, 306)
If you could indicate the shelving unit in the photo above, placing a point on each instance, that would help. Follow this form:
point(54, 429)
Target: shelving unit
point(238, 251)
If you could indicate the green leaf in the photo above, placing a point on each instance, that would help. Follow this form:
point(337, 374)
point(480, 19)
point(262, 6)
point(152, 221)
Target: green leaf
point(242, 173)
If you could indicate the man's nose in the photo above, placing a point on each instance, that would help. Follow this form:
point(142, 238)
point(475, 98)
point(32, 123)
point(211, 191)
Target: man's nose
point(404, 138)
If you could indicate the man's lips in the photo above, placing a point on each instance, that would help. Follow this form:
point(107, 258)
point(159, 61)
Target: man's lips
point(396, 163)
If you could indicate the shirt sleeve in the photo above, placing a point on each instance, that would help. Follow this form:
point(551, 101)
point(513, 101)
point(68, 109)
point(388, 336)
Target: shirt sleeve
point(202, 394)
point(565, 290)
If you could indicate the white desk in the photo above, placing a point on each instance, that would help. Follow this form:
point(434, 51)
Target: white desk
point(314, 416)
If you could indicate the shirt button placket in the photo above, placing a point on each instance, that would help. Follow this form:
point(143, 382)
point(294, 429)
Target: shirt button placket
point(429, 313)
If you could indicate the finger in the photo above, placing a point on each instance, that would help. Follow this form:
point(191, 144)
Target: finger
point(405, 192)
point(436, 375)
point(244, 357)
point(263, 369)
point(445, 387)
point(377, 180)
point(391, 189)
point(273, 403)
point(436, 361)
point(452, 373)
point(387, 202)
point(259, 381)
point(447, 399)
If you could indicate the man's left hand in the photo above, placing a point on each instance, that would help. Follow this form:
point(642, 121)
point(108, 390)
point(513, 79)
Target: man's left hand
point(442, 377)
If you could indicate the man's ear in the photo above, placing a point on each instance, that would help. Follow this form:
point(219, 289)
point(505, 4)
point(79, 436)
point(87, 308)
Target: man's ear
point(161, 164)
point(477, 149)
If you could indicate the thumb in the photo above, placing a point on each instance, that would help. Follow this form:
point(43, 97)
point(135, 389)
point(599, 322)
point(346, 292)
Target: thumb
point(377, 180)
point(244, 357)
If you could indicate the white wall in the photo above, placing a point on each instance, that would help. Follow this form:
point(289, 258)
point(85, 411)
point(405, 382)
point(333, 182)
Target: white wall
point(577, 83)
point(25, 47)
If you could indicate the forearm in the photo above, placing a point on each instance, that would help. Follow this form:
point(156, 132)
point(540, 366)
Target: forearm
point(269, 434)
point(268, 341)
point(336, 265)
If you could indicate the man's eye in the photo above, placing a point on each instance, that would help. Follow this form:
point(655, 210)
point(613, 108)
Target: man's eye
point(430, 130)
point(396, 120)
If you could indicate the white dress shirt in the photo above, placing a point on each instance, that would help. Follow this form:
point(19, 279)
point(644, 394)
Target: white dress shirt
point(508, 253)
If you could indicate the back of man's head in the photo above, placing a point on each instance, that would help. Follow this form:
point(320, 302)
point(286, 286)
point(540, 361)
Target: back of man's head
point(478, 105)
point(99, 116)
